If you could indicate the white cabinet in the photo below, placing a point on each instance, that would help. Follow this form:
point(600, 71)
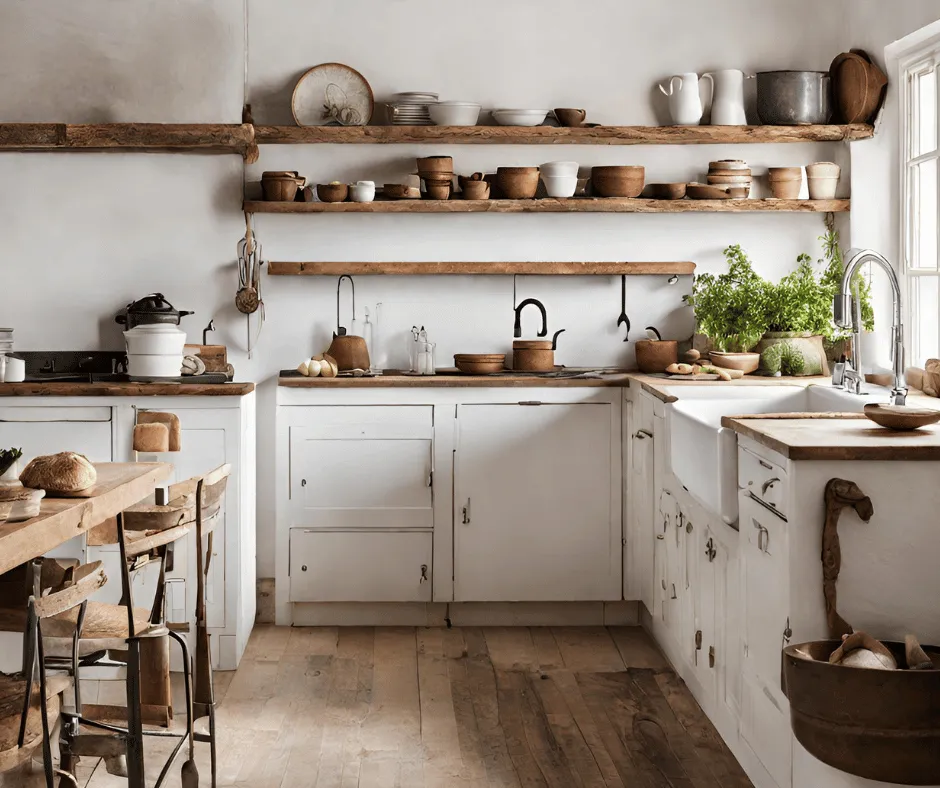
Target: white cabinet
point(640, 526)
point(537, 503)
point(329, 566)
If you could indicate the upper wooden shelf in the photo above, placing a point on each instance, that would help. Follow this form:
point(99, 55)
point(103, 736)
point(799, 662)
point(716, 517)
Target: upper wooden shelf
point(535, 268)
point(550, 205)
point(166, 137)
point(548, 135)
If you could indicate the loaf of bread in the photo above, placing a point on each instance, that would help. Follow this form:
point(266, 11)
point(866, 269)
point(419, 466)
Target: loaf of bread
point(65, 472)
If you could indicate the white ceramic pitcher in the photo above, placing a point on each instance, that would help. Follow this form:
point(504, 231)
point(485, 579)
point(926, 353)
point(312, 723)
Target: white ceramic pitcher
point(685, 103)
point(727, 97)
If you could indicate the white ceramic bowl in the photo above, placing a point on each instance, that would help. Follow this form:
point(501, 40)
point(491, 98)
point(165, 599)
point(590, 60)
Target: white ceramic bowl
point(154, 366)
point(560, 185)
point(24, 509)
point(455, 113)
point(155, 339)
point(520, 117)
point(362, 191)
point(556, 168)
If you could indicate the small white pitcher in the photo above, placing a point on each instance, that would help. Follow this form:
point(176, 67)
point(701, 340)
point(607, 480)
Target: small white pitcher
point(685, 103)
point(727, 97)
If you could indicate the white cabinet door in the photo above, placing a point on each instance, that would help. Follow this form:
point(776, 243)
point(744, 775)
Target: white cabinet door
point(361, 566)
point(537, 503)
point(765, 723)
point(368, 483)
point(640, 489)
point(709, 562)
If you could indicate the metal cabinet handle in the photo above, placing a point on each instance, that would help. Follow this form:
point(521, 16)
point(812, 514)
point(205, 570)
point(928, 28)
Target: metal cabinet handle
point(303, 482)
point(642, 434)
point(466, 513)
point(763, 537)
point(767, 485)
point(710, 550)
point(766, 465)
point(424, 574)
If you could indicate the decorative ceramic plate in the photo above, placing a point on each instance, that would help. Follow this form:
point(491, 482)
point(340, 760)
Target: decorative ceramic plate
point(332, 94)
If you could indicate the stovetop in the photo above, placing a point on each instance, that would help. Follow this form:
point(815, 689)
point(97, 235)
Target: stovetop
point(98, 366)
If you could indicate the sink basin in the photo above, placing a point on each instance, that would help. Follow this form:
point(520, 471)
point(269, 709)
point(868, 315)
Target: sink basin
point(704, 455)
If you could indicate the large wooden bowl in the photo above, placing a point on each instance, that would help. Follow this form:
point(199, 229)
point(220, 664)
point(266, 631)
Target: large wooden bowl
point(480, 363)
point(517, 183)
point(618, 181)
point(901, 417)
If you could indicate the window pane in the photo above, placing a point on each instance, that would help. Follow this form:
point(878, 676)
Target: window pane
point(926, 301)
point(925, 111)
point(925, 215)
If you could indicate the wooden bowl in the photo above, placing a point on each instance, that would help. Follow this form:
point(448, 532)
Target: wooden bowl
point(332, 192)
point(618, 181)
point(282, 188)
point(901, 417)
point(666, 191)
point(401, 191)
point(476, 190)
point(569, 117)
point(517, 183)
point(701, 191)
point(480, 363)
point(437, 190)
point(745, 362)
point(655, 355)
point(444, 165)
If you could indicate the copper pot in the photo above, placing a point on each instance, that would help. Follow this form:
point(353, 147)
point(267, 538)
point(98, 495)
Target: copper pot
point(535, 355)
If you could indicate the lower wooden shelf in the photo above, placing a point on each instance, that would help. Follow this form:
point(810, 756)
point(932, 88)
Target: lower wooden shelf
point(550, 205)
point(534, 268)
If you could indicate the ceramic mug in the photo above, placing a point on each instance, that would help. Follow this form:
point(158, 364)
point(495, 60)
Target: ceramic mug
point(15, 370)
point(362, 191)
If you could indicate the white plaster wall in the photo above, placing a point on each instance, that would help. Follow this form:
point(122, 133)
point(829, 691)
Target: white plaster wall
point(85, 233)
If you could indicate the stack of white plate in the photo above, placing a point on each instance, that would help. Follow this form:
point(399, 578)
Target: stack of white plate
point(410, 109)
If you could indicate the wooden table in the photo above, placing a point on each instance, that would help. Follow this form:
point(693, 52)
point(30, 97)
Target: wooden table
point(119, 486)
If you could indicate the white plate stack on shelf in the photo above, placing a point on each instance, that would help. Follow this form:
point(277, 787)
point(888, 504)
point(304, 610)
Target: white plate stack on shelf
point(411, 109)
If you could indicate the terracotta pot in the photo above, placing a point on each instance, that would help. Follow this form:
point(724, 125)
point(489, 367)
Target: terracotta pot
point(618, 181)
point(350, 352)
point(517, 183)
point(655, 355)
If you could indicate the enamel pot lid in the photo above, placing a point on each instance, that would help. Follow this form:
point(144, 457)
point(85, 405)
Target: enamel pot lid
point(153, 308)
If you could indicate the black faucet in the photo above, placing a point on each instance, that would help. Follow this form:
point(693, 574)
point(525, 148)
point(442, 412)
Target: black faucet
point(517, 328)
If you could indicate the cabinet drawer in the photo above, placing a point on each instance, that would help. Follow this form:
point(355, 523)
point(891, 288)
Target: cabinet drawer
point(367, 421)
point(337, 566)
point(764, 480)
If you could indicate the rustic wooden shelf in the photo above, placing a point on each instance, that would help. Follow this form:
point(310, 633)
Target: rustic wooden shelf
point(550, 205)
point(542, 135)
point(164, 137)
point(535, 268)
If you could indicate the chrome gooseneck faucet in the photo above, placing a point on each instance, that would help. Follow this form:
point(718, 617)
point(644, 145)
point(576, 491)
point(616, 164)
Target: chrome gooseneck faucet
point(847, 314)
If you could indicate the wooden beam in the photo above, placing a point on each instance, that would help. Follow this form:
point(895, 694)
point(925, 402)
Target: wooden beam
point(551, 205)
point(541, 135)
point(481, 269)
point(170, 137)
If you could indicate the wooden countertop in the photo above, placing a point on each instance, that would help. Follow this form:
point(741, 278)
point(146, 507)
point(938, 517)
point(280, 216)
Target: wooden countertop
point(846, 437)
point(63, 389)
point(619, 379)
point(119, 486)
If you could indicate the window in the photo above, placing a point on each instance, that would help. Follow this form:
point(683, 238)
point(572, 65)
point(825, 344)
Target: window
point(920, 141)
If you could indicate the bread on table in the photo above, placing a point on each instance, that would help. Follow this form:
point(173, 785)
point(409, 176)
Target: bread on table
point(66, 472)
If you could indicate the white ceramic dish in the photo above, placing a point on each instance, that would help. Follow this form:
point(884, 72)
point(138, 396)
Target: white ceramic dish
point(454, 113)
point(362, 191)
point(414, 97)
point(15, 370)
point(155, 339)
point(24, 509)
point(520, 117)
point(332, 93)
point(560, 185)
point(556, 168)
point(154, 366)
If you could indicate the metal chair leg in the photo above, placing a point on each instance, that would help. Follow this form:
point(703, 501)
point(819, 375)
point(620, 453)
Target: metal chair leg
point(44, 712)
point(212, 741)
point(135, 728)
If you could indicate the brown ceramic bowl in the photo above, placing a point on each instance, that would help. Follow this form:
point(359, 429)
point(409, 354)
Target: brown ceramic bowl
point(400, 191)
point(480, 363)
point(567, 116)
point(701, 191)
point(517, 183)
point(899, 417)
point(439, 164)
point(476, 190)
point(618, 181)
point(437, 190)
point(666, 191)
point(332, 192)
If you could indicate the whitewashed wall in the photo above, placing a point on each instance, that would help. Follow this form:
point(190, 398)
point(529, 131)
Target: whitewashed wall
point(85, 233)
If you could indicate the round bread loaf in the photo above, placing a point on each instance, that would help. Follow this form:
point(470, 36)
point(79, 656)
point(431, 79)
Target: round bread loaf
point(65, 472)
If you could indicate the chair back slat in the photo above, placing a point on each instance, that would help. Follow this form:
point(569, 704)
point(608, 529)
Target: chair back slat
point(85, 581)
point(213, 485)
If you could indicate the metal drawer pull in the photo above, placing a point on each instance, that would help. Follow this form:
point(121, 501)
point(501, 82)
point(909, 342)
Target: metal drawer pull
point(766, 465)
point(767, 485)
point(710, 550)
point(424, 574)
point(466, 513)
point(763, 537)
point(642, 434)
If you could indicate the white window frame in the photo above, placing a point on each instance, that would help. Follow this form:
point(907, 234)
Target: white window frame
point(915, 55)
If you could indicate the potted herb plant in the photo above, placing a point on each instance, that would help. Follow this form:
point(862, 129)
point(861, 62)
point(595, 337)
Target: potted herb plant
point(8, 467)
point(730, 311)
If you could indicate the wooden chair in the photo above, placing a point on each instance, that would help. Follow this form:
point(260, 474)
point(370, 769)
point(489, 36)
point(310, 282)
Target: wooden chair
point(24, 713)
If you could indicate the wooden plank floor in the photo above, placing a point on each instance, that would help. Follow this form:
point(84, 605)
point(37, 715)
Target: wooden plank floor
point(569, 707)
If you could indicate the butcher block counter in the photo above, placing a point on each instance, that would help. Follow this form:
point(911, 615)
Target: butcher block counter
point(70, 389)
point(844, 436)
point(608, 378)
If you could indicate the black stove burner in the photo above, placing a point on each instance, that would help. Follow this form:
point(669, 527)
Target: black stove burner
point(98, 366)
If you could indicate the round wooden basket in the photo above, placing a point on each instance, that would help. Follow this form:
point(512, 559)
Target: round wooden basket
point(878, 724)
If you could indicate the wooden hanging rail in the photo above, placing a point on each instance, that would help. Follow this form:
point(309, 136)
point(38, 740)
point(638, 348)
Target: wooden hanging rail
point(542, 135)
point(550, 205)
point(478, 269)
point(165, 137)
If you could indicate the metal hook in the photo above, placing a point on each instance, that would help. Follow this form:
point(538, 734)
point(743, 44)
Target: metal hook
point(340, 331)
point(672, 280)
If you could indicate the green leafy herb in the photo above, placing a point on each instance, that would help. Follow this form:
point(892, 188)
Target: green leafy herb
point(7, 458)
